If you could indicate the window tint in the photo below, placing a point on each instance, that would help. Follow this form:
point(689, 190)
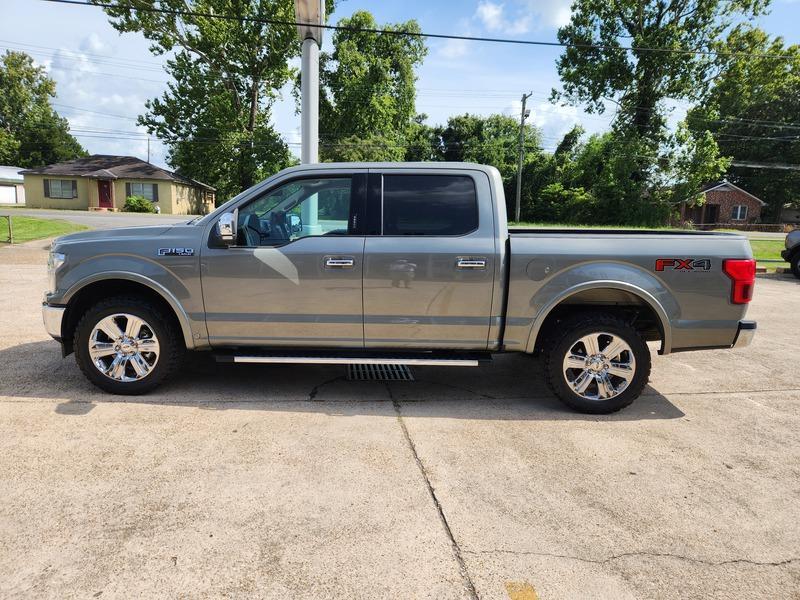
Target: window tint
point(429, 205)
point(297, 209)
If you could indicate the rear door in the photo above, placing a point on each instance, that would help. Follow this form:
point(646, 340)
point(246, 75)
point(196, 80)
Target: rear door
point(429, 263)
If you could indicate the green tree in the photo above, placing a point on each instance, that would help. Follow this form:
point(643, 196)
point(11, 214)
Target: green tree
point(367, 84)
point(32, 134)
point(637, 81)
point(371, 148)
point(753, 112)
point(215, 115)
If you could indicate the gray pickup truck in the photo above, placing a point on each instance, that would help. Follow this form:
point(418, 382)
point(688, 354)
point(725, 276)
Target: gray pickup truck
point(397, 263)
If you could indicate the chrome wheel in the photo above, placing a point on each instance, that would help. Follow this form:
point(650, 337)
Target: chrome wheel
point(599, 366)
point(123, 347)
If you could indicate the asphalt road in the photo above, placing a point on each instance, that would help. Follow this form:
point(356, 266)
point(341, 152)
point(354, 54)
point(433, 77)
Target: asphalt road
point(98, 220)
point(292, 482)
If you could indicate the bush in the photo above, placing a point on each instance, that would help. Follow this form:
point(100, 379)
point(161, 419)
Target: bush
point(138, 204)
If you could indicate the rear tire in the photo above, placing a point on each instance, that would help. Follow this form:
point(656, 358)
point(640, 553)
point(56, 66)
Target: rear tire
point(127, 345)
point(795, 264)
point(596, 363)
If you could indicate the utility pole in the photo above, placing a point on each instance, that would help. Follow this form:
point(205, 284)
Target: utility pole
point(308, 14)
point(524, 113)
point(148, 148)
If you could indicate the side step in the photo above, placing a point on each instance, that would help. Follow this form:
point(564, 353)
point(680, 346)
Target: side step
point(430, 359)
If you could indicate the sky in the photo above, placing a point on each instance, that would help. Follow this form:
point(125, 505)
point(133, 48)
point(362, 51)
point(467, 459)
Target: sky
point(103, 78)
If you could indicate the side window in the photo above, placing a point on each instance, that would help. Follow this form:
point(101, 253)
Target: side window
point(429, 205)
point(297, 209)
point(739, 213)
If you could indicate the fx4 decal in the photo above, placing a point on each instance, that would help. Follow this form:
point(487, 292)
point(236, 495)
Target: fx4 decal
point(683, 264)
point(176, 251)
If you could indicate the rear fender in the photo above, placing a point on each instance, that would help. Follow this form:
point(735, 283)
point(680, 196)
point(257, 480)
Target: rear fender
point(604, 275)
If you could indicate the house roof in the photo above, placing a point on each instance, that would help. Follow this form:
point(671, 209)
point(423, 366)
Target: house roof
point(11, 174)
point(106, 166)
point(725, 183)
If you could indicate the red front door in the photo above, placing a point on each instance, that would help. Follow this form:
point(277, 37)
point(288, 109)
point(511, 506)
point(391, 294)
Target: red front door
point(104, 194)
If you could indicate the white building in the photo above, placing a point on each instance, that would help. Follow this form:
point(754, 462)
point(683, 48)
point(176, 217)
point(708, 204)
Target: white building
point(11, 190)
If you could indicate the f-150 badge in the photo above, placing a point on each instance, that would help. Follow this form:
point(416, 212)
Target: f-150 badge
point(683, 264)
point(176, 251)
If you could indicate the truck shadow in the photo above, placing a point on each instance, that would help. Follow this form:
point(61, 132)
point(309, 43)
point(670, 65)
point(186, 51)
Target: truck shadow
point(511, 388)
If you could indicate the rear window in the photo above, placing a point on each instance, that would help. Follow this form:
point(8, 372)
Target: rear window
point(429, 205)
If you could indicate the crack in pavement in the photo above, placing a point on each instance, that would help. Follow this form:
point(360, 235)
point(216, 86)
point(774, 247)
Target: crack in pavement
point(602, 561)
point(462, 566)
point(315, 390)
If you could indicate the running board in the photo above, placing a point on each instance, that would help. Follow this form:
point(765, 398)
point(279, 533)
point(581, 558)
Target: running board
point(318, 358)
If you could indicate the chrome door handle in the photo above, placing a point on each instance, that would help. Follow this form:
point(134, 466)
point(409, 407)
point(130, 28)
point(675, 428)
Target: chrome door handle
point(470, 262)
point(339, 262)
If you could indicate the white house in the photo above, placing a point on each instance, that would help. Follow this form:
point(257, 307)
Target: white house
point(11, 190)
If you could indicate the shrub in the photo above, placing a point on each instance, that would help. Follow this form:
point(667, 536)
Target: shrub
point(138, 204)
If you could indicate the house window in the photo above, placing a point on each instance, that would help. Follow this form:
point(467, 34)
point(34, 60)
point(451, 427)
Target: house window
point(60, 188)
point(739, 213)
point(146, 190)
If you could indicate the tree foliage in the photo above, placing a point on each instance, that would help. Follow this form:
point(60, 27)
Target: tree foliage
point(367, 88)
point(597, 69)
point(32, 133)
point(753, 111)
point(227, 73)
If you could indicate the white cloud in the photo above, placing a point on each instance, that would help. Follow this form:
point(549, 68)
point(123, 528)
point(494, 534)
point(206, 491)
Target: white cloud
point(522, 16)
point(93, 43)
point(454, 49)
point(492, 16)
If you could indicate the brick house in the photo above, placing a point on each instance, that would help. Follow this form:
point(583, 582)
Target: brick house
point(725, 203)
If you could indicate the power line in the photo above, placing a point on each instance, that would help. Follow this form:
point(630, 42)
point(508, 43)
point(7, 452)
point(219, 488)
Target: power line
point(442, 36)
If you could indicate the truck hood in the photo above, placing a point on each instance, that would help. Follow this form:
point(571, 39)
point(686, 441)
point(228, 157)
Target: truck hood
point(117, 234)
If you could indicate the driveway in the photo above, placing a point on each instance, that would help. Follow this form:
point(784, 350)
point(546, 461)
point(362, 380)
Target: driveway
point(98, 220)
point(293, 482)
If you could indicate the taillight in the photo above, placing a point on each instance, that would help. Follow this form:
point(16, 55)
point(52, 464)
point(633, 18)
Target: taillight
point(743, 274)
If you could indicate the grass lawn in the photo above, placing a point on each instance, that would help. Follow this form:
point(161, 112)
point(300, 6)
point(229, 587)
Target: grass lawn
point(768, 250)
point(565, 226)
point(31, 228)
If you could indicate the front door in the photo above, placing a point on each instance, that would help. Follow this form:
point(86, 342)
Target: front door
point(429, 274)
point(104, 194)
point(294, 278)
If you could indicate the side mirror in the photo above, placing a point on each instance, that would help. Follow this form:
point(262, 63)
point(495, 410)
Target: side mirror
point(296, 223)
point(226, 228)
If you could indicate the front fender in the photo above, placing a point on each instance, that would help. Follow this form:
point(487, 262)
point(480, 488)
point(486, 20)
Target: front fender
point(167, 286)
point(604, 275)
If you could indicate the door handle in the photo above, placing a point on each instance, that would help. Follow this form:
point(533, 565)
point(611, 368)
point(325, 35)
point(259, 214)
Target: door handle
point(339, 262)
point(470, 262)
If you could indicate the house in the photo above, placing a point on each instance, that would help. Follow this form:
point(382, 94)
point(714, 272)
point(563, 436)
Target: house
point(725, 203)
point(104, 182)
point(11, 189)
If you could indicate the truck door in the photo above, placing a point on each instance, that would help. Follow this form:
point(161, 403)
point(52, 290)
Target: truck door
point(429, 263)
point(294, 278)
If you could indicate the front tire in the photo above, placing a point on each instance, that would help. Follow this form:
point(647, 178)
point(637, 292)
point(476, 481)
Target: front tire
point(127, 345)
point(597, 363)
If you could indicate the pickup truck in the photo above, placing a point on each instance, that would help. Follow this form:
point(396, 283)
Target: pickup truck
point(393, 263)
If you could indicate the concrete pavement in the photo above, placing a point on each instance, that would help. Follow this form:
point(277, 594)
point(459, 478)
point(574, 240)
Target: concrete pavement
point(290, 481)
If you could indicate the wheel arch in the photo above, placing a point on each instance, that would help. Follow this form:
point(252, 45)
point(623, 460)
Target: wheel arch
point(112, 283)
point(572, 296)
